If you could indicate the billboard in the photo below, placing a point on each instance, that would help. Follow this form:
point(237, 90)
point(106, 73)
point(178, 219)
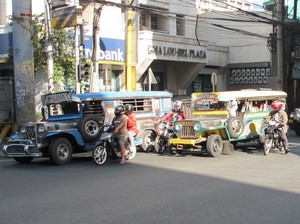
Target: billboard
point(110, 49)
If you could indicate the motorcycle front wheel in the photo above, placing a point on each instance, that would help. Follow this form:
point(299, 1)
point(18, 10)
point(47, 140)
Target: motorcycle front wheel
point(268, 145)
point(99, 154)
point(160, 144)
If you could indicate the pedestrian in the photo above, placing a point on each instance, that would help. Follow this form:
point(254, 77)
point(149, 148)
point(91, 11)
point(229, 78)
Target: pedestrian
point(131, 125)
point(120, 120)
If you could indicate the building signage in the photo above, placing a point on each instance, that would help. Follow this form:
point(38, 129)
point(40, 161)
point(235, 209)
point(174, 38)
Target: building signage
point(110, 49)
point(176, 52)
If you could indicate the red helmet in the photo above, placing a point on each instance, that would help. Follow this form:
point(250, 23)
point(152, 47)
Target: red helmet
point(277, 105)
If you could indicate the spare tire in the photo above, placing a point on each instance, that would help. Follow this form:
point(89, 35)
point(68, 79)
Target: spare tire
point(89, 128)
point(235, 126)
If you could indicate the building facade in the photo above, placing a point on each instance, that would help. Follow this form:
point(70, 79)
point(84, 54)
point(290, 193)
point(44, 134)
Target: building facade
point(183, 44)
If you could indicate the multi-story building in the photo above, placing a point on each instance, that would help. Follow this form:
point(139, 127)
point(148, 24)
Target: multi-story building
point(183, 45)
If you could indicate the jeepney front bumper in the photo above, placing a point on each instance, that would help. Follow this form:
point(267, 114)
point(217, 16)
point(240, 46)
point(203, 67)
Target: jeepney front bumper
point(21, 148)
point(180, 141)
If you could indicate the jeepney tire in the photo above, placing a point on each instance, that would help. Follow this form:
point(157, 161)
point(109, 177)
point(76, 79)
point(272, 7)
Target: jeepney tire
point(23, 160)
point(235, 126)
point(89, 128)
point(60, 151)
point(172, 149)
point(214, 145)
point(297, 131)
point(148, 140)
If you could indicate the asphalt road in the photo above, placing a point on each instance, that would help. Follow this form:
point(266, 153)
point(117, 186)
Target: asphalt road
point(246, 187)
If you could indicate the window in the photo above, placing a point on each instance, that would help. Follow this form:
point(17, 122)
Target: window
point(180, 26)
point(155, 22)
point(139, 105)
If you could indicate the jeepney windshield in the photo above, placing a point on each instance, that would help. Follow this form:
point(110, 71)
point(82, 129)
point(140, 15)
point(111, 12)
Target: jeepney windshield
point(63, 108)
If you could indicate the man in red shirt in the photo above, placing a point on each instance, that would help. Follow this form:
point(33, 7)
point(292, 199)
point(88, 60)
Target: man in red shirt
point(174, 115)
point(131, 125)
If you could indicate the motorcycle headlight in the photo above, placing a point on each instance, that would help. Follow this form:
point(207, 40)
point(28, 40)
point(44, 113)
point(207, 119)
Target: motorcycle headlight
point(197, 126)
point(161, 126)
point(41, 128)
point(22, 129)
point(178, 126)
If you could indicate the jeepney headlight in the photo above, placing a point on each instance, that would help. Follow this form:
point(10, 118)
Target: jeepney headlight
point(178, 126)
point(197, 126)
point(41, 128)
point(297, 113)
point(22, 129)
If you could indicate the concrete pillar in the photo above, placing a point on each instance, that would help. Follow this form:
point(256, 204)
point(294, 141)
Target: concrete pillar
point(23, 61)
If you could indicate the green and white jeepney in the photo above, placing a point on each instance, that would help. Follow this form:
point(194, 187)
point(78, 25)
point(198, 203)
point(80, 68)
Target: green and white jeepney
point(222, 119)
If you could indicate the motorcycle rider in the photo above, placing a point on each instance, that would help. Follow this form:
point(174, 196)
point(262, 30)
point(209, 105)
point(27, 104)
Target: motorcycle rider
point(121, 130)
point(279, 115)
point(176, 114)
point(131, 124)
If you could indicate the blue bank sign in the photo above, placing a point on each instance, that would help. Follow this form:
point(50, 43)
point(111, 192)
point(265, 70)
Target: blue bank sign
point(110, 49)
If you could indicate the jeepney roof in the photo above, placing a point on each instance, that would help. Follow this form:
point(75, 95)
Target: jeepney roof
point(69, 96)
point(124, 95)
point(243, 95)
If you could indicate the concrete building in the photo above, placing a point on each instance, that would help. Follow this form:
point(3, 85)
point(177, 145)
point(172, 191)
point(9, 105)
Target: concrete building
point(183, 49)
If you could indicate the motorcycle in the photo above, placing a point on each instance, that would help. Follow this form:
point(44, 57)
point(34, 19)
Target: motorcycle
point(164, 132)
point(107, 147)
point(273, 140)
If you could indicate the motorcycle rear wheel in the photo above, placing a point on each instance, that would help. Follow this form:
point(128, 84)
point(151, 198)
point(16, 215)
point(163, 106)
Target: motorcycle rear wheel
point(268, 145)
point(132, 154)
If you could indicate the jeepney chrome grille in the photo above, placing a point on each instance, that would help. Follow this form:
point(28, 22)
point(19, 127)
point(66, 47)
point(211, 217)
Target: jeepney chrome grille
point(15, 149)
point(188, 132)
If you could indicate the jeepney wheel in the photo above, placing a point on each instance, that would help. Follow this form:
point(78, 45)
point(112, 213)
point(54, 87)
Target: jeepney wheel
point(214, 145)
point(89, 128)
point(148, 140)
point(60, 151)
point(235, 126)
point(23, 160)
point(172, 149)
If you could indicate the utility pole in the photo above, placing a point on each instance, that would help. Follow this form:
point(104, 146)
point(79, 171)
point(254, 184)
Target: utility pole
point(49, 48)
point(279, 12)
point(131, 46)
point(94, 79)
point(23, 61)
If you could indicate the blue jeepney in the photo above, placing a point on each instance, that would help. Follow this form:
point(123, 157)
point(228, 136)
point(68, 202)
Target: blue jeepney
point(72, 123)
